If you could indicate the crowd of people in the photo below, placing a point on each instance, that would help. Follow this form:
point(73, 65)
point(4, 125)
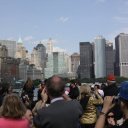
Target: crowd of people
point(63, 104)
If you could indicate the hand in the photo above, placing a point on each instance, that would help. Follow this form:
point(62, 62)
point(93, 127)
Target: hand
point(107, 103)
point(44, 95)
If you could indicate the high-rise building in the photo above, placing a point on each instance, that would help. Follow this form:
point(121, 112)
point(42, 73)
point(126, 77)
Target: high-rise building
point(11, 46)
point(56, 65)
point(50, 46)
point(75, 62)
point(109, 58)
point(86, 60)
point(21, 51)
point(100, 57)
point(121, 57)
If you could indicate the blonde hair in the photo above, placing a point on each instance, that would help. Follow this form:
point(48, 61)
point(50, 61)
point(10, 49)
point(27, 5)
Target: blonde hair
point(85, 89)
point(13, 107)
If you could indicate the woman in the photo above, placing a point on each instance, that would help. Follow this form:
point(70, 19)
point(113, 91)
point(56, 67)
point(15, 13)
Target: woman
point(89, 103)
point(12, 113)
point(28, 89)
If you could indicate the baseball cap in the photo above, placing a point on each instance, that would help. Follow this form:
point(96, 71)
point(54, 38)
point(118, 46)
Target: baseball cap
point(111, 77)
point(124, 90)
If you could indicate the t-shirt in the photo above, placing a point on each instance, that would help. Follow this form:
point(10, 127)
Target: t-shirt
point(13, 123)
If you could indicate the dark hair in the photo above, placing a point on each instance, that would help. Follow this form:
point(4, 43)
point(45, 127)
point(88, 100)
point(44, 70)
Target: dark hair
point(12, 107)
point(55, 88)
point(98, 86)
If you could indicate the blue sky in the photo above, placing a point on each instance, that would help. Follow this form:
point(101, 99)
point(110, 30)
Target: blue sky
point(66, 21)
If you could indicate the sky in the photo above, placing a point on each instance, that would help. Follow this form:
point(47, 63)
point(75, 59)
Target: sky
point(67, 22)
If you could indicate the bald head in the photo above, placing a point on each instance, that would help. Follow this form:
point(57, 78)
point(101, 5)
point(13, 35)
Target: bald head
point(55, 86)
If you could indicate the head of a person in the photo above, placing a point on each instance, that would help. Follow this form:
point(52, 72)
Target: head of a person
point(123, 96)
point(110, 119)
point(29, 116)
point(10, 89)
point(29, 82)
point(12, 107)
point(55, 87)
point(85, 90)
point(111, 79)
point(96, 87)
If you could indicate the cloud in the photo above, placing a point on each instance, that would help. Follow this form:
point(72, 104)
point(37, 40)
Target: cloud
point(57, 49)
point(121, 19)
point(28, 38)
point(63, 19)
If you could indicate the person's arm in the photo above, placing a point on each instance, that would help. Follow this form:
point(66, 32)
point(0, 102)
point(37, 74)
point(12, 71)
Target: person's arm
point(98, 100)
point(106, 107)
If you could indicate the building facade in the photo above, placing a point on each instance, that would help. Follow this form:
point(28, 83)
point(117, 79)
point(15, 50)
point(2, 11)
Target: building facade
point(109, 58)
point(100, 57)
point(86, 60)
point(11, 46)
point(56, 65)
point(75, 62)
point(21, 51)
point(121, 57)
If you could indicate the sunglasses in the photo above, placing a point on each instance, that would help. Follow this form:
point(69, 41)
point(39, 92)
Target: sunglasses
point(112, 116)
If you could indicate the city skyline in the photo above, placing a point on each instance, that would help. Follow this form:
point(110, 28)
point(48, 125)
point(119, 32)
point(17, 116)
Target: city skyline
point(66, 22)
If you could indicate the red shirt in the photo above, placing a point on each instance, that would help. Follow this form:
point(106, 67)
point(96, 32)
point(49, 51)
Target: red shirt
point(13, 123)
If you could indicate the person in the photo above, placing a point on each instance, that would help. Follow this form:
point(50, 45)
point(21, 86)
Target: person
point(28, 115)
point(42, 98)
point(111, 88)
point(108, 104)
point(89, 103)
point(74, 91)
point(28, 89)
point(60, 113)
point(12, 113)
point(110, 120)
point(100, 91)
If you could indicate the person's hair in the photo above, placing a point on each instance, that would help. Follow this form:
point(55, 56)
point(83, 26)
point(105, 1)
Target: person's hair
point(55, 89)
point(98, 86)
point(124, 101)
point(13, 107)
point(85, 89)
point(29, 83)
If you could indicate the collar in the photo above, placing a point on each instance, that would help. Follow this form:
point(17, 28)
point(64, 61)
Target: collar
point(56, 99)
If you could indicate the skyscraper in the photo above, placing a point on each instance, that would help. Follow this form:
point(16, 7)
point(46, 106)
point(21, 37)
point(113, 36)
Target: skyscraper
point(21, 51)
point(109, 58)
point(11, 46)
point(100, 57)
point(38, 56)
point(75, 62)
point(121, 58)
point(56, 64)
point(86, 60)
point(50, 46)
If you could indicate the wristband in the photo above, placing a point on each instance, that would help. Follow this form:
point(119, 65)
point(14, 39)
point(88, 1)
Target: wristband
point(102, 113)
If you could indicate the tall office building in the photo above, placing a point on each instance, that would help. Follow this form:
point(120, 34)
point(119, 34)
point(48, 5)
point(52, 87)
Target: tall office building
point(50, 46)
point(75, 62)
point(121, 59)
point(11, 46)
point(38, 56)
point(100, 57)
point(56, 65)
point(109, 58)
point(86, 60)
point(21, 51)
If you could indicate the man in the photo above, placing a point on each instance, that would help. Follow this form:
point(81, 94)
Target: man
point(111, 89)
point(60, 113)
point(123, 98)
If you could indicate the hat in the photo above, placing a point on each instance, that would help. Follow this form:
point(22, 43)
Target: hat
point(124, 90)
point(111, 78)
